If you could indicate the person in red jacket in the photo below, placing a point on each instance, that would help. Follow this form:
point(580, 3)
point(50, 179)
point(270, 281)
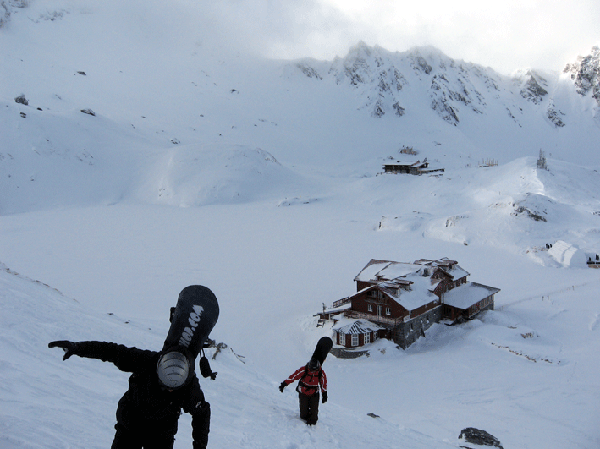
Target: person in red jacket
point(311, 378)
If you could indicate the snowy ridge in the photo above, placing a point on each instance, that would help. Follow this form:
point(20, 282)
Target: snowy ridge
point(394, 82)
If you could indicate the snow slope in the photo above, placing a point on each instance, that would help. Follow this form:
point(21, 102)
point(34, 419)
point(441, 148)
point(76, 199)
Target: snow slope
point(525, 366)
point(248, 410)
point(262, 181)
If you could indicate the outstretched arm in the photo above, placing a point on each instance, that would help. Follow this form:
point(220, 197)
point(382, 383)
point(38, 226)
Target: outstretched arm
point(298, 374)
point(124, 358)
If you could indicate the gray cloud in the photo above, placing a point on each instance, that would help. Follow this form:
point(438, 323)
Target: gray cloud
point(503, 35)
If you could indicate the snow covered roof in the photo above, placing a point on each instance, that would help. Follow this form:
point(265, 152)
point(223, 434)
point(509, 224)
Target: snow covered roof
point(419, 294)
point(339, 309)
point(567, 254)
point(396, 270)
point(457, 272)
point(388, 270)
point(408, 163)
point(449, 266)
point(356, 327)
point(465, 295)
point(411, 284)
point(369, 272)
point(377, 270)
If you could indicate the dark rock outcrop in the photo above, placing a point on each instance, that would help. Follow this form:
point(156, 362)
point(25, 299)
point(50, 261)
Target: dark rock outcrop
point(586, 74)
point(479, 437)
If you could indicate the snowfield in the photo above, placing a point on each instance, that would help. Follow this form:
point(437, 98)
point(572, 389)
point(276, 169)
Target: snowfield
point(528, 365)
point(262, 180)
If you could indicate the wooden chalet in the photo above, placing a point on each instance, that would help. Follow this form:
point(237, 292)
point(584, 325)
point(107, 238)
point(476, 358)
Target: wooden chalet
point(405, 299)
point(410, 167)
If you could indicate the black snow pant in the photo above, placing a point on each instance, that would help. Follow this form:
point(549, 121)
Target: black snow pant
point(126, 438)
point(309, 408)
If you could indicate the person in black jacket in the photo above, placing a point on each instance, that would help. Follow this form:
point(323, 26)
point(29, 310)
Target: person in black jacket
point(161, 384)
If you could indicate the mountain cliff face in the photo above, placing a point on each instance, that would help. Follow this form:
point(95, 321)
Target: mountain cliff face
point(586, 74)
point(382, 76)
point(398, 83)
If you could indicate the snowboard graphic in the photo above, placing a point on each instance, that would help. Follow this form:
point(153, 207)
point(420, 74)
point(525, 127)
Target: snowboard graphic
point(194, 317)
point(323, 347)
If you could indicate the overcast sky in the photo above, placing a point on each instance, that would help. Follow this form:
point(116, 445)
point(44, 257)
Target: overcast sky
point(505, 35)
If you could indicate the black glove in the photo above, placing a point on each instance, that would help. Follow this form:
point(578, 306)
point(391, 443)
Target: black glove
point(282, 386)
point(324, 398)
point(205, 369)
point(70, 348)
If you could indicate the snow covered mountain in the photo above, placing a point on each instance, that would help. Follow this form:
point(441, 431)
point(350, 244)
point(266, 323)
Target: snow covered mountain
point(398, 83)
point(140, 154)
point(586, 74)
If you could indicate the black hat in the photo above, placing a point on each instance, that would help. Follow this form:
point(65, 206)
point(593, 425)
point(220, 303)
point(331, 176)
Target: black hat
point(314, 364)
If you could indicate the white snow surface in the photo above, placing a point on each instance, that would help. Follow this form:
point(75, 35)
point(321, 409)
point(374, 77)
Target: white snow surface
point(204, 166)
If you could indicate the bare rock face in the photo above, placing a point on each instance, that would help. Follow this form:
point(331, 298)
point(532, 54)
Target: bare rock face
point(586, 74)
point(533, 90)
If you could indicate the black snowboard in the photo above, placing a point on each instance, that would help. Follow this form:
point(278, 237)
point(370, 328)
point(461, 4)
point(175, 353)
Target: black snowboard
point(194, 317)
point(323, 347)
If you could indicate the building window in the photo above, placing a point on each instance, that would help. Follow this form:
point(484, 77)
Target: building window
point(342, 338)
point(367, 338)
point(388, 311)
point(354, 339)
point(370, 307)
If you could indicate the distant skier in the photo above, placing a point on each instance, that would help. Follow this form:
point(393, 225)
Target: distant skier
point(311, 378)
point(162, 383)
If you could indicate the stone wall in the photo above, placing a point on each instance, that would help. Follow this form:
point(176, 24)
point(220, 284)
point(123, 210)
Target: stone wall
point(408, 332)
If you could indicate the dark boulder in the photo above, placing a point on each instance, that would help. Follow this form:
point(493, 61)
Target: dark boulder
point(479, 437)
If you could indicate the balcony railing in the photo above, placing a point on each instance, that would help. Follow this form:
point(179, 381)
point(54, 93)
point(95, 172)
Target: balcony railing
point(341, 302)
point(375, 318)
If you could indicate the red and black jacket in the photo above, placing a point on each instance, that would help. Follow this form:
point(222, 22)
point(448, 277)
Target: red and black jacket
point(309, 381)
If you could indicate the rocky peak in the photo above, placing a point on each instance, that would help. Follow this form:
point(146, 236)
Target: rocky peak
point(586, 74)
point(531, 86)
point(387, 83)
point(373, 70)
point(380, 77)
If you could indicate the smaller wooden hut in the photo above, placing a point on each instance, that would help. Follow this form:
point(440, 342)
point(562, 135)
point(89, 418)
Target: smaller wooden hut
point(410, 167)
point(356, 333)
